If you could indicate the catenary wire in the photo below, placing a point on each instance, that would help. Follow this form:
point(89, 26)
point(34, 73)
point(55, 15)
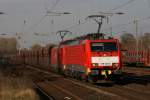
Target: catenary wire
point(122, 5)
point(43, 17)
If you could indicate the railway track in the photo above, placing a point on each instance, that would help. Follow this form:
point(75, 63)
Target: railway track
point(71, 88)
point(127, 92)
point(129, 89)
point(43, 95)
point(49, 91)
point(57, 92)
point(137, 71)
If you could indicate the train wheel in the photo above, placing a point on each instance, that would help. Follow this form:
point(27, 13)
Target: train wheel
point(118, 78)
point(87, 78)
point(94, 80)
point(65, 76)
point(84, 78)
point(78, 76)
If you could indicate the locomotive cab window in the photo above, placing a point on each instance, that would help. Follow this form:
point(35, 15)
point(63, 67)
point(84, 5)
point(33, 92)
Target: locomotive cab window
point(104, 46)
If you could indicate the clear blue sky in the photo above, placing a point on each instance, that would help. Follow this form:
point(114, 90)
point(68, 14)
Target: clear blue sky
point(16, 11)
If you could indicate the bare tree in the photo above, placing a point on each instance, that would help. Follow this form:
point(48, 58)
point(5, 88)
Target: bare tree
point(145, 41)
point(8, 45)
point(35, 47)
point(128, 41)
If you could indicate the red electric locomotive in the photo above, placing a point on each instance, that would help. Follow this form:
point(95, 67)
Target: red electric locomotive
point(88, 57)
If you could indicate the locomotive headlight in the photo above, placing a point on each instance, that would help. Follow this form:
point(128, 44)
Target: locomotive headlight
point(64, 67)
point(88, 71)
point(95, 64)
point(109, 72)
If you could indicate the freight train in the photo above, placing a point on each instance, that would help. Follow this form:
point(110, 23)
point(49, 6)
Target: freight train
point(137, 58)
point(89, 57)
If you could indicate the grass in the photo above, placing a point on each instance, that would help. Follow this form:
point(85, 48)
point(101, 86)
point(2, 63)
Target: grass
point(16, 88)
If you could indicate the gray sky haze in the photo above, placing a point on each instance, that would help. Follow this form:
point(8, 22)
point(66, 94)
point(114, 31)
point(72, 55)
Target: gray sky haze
point(34, 11)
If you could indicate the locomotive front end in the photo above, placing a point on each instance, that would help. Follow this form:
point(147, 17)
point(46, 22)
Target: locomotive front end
point(104, 59)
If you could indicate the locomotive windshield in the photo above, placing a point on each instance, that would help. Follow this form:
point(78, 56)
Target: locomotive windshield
point(104, 46)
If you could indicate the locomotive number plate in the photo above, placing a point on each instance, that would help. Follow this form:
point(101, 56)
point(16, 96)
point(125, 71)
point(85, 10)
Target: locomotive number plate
point(107, 64)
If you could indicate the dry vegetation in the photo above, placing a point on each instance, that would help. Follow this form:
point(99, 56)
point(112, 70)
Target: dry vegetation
point(16, 88)
point(8, 45)
point(129, 41)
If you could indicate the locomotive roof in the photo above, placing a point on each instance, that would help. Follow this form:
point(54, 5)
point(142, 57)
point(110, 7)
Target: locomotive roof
point(91, 36)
